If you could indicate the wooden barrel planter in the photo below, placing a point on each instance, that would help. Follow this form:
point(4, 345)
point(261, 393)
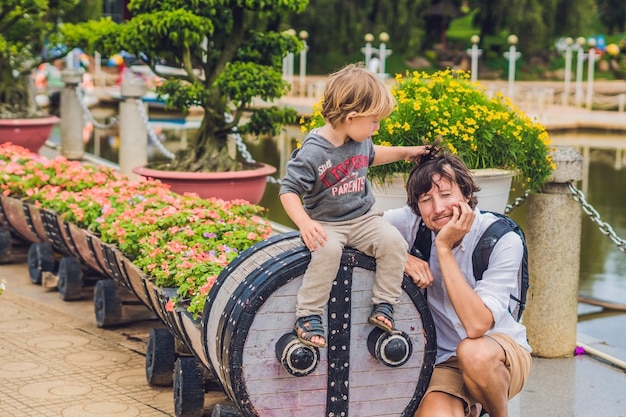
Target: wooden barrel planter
point(22, 220)
point(247, 333)
point(244, 342)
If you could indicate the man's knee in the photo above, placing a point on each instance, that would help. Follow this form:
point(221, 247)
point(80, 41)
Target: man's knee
point(476, 352)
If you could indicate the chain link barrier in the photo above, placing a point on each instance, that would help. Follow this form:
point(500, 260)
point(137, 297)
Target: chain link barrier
point(243, 149)
point(151, 134)
point(87, 116)
point(516, 203)
point(605, 228)
point(593, 214)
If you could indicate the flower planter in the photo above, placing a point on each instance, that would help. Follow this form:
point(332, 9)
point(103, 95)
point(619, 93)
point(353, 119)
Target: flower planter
point(494, 184)
point(29, 133)
point(246, 319)
point(390, 196)
point(246, 185)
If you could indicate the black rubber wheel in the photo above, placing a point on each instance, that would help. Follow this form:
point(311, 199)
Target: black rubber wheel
point(188, 388)
point(107, 303)
point(40, 259)
point(225, 411)
point(70, 279)
point(160, 358)
point(5, 246)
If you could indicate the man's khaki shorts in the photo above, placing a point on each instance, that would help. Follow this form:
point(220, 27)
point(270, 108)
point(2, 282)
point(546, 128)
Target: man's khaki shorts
point(447, 376)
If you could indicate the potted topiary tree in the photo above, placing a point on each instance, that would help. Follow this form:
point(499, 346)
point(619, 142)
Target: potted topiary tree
point(231, 54)
point(28, 27)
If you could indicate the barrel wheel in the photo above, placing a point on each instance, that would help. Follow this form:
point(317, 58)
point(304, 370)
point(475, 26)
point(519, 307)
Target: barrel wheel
point(40, 259)
point(188, 388)
point(5, 246)
point(107, 303)
point(70, 279)
point(160, 358)
point(225, 411)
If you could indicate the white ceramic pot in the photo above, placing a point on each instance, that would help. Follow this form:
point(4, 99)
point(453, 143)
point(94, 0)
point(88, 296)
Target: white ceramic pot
point(495, 185)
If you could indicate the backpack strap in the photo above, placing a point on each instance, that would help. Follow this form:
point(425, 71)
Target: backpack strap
point(480, 257)
point(482, 252)
point(422, 243)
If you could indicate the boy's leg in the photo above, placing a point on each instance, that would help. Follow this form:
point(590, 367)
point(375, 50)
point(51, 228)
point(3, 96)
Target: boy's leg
point(318, 279)
point(376, 237)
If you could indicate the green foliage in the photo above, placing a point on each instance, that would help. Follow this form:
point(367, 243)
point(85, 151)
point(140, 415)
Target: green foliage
point(27, 27)
point(231, 54)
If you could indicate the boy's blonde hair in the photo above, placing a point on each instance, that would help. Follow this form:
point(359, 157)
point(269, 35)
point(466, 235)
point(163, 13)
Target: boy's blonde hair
point(355, 89)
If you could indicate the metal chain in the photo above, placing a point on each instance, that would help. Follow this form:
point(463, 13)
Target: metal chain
point(243, 150)
point(516, 203)
point(605, 228)
point(241, 146)
point(151, 134)
point(87, 114)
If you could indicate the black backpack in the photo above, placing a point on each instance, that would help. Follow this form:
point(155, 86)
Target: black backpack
point(480, 257)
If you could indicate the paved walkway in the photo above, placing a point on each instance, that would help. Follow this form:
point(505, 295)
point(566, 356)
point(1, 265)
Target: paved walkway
point(56, 361)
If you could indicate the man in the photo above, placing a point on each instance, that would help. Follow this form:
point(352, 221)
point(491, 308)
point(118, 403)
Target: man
point(483, 357)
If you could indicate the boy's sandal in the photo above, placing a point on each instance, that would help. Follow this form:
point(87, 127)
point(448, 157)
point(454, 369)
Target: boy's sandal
point(385, 310)
point(307, 327)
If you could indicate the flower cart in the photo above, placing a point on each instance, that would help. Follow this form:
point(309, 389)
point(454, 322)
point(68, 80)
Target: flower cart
point(242, 340)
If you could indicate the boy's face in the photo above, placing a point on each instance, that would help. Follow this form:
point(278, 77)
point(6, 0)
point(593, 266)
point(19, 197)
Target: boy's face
point(359, 128)
point(436, 205)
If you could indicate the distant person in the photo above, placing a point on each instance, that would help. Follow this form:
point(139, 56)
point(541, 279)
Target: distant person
point(374, 64)
point(483, 356)
point(54, 84)
point(329, 173)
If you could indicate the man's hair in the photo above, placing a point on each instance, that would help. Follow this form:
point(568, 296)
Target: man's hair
point(446, 166)
point(355, 89)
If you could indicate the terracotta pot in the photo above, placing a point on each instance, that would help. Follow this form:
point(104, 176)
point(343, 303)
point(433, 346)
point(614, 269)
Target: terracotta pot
point(246, 185)
point(29, 133)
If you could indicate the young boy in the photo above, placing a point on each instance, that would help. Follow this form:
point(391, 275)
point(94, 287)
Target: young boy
point(329, 172)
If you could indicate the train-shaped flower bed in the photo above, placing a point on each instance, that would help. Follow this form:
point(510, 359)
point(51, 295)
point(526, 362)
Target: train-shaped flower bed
point(224, 286)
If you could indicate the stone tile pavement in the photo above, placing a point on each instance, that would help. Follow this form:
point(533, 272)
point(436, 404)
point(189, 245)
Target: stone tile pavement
point(56, 361)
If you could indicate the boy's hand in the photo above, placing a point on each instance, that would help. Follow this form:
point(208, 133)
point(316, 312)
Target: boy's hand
point(313, 235)
point(414, 153)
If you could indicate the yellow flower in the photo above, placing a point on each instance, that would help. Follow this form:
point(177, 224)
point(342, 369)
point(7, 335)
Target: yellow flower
point(485, 131)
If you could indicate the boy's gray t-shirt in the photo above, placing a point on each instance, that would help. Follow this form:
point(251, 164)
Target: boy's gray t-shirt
point(332, 181)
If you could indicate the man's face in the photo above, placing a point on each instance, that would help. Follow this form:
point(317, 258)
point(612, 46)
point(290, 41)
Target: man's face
point(436, 205)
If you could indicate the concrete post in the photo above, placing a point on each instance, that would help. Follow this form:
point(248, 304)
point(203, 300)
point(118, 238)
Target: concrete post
point(553, 232)
point(133, 129)
point(72, 146)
